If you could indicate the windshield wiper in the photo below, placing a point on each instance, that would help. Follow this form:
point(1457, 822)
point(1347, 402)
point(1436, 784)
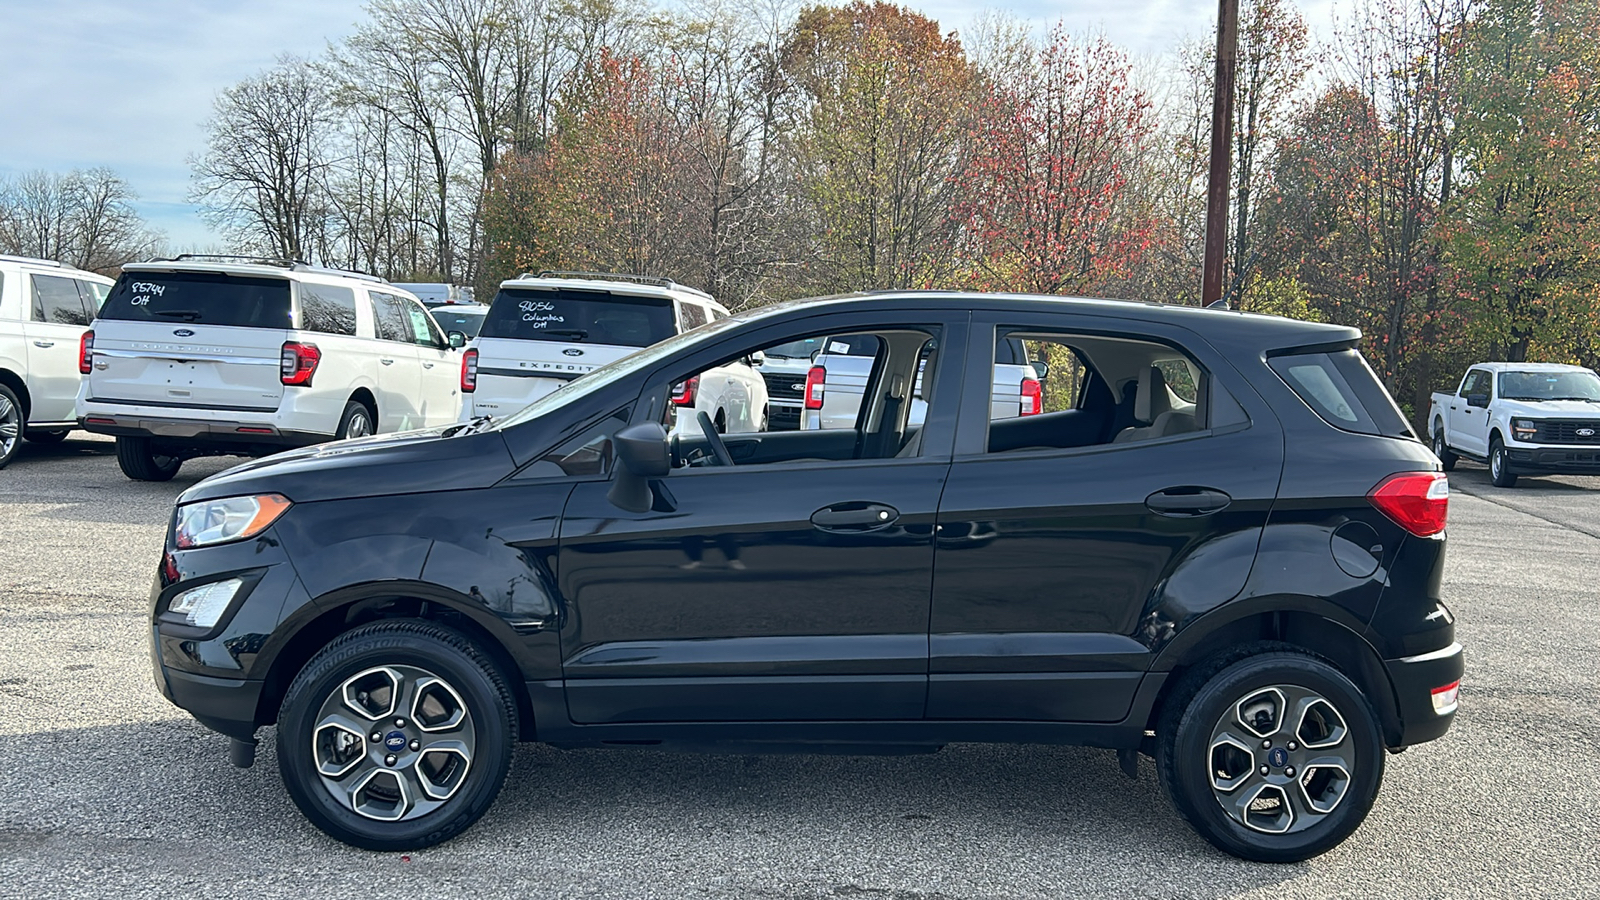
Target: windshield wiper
point(469, 427)
point(189, 314)
point(578, 333)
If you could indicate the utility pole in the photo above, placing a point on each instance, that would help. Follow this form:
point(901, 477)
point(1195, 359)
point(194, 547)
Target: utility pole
point(1221, 152)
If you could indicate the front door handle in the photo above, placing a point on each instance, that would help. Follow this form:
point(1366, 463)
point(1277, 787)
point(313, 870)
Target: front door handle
point(855, 517)
point(427, 365)
point(387, 362)
point(1186, 502)
point(44, 343)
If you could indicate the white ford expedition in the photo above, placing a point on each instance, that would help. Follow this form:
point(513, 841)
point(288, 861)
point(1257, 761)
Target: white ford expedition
point(204, 356)
point(544, 330)
point(45, 309)
point(1522, 419)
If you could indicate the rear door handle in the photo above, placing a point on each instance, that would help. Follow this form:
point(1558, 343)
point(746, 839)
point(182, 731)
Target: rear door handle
point(44, 343)
point(855, 517)
point(387, 362)
point(427, 365)
point(1186, 502)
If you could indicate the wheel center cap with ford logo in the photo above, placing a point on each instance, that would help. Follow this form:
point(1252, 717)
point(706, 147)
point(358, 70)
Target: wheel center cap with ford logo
point(1277, 757)
point(394, 740)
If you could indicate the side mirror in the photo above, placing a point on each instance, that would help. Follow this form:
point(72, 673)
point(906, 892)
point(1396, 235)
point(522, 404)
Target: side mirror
point(643, 453)
point(1481, 401)
point(1041, 369)
point(457, 339)
point(757, 358)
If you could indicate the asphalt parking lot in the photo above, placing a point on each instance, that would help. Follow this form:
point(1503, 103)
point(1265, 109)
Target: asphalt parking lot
point(107, 790)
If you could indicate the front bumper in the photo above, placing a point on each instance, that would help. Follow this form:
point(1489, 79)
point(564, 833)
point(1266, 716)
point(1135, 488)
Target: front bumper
point(1415, 679)
point(1553, 460)
point(224, 705)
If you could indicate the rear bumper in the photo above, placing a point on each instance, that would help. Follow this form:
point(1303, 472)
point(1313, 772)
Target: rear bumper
point(1415, 679)
point(200, 432)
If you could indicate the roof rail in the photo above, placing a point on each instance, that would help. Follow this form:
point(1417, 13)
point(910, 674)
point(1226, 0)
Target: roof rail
point(652, 280)
point(31, 259)
point(294, 265)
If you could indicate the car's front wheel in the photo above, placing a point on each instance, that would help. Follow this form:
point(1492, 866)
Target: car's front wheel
point(1500, 465)
point(396, 736)
point(1440, 448)
point(1272, 754)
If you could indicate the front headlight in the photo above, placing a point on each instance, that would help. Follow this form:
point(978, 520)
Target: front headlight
point(232, 519)
point(1522, 424)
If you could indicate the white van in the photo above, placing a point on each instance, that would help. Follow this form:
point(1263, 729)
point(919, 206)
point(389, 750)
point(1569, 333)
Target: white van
point(45, 309)
point(547, 329)
point(206, 356)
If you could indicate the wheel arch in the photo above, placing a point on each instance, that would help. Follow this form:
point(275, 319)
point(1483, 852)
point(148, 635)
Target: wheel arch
point(351, 607)
point(19, 387)
point(1315, 626)
point(365, 397)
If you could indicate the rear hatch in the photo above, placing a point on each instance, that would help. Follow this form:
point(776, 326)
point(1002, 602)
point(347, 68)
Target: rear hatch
point(192, 339)
point(535, 339)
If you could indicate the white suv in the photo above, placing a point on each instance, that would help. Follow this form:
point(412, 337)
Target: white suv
point(45, 309)
point(842, 364)
point(547, 329)
point(217, 356)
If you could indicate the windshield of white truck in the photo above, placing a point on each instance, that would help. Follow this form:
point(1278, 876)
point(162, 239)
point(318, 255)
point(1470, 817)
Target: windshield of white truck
point(1550, 386)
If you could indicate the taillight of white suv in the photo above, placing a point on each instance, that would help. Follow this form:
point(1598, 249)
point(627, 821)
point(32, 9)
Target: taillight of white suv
point(86, 353)
point(683, 392)
point(1417, 501)
point(816, 383)
point(299, 363)
point(469, 371)
point(1032, 397)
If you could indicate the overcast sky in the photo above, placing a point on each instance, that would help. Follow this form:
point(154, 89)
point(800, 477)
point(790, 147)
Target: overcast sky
point(128, 84)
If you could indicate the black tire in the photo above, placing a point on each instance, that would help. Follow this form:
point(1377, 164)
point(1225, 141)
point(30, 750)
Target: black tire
point(490, 720)
point(357, 420)
point(12, 420)
point(1188, 742)
point(1442, 449)
point(55, 436)
point(1500, 465)
point(138, 460)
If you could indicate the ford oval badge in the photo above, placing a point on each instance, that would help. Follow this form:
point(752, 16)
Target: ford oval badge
point(1585, 432)
point(183, 332)
point(573, 351)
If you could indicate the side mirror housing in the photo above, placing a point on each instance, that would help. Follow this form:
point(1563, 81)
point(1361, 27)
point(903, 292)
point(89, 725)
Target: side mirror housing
point(457, 339)
point(757, 358)
point(643, 453)
point(1041, 369)
point(1481, 401)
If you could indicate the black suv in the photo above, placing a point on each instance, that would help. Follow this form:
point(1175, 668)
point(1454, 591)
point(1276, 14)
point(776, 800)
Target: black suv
point(1219, 544)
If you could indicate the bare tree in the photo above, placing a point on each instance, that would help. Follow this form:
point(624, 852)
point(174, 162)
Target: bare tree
point(84, 218)
point(262, 178)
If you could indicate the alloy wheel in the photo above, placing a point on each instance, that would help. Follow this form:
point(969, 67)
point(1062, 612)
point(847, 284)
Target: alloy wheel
point(359, 426)
point(10, 426)
point(1280, 759)
point(393, 743)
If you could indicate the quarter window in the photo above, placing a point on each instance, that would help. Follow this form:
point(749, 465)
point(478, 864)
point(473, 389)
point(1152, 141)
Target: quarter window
point(327, 308)
point(692, 314)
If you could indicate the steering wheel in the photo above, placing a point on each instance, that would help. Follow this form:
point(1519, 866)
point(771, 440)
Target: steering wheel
point(718, 448)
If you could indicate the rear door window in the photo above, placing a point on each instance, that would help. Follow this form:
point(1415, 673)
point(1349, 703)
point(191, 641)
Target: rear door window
point(57, 300)
point(592, 317)
point(1341, 388)
point(390, 319)
point(206, 298)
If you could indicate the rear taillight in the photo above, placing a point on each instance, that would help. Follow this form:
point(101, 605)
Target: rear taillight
point(683, 391)
point(469, 371)
point(816, 382)
point(1416, 501)
point(298, 363)
point(86, 352)
point(1032, 397)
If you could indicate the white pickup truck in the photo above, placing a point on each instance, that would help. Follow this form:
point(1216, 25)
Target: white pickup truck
point(1521, 418)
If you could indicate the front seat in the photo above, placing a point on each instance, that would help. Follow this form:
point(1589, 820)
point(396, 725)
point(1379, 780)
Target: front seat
point(1153, 404)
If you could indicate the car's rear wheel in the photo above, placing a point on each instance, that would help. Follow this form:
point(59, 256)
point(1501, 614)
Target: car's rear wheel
point(51, 436)
point(140, 461)
point(396, 736)
point(1271, 754)
point(1500, 465)
point(1440, 448)
point(10, 425)
point(357, 421)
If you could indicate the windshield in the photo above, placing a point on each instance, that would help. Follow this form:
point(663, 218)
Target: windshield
point(466, 321)
point(1550, 386)
point(207, 298)
point(796, 349)
point(607, 375)
point(591, 317)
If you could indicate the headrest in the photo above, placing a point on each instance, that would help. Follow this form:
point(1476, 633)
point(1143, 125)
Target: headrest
point(1153, 398)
